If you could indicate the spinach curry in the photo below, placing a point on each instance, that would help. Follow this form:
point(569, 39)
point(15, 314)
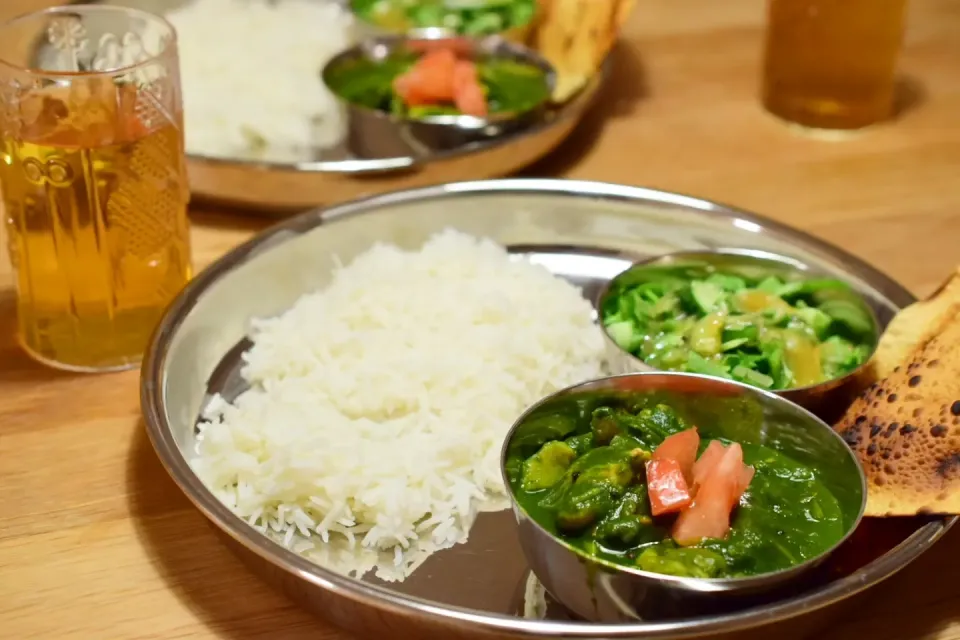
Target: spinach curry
point(505, 86)
point(589, 482)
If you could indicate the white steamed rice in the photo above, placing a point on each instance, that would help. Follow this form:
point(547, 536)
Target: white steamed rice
point(370, 436)
point(251, 76)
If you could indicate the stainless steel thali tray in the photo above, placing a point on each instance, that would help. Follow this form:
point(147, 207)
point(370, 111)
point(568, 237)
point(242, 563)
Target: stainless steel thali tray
point(338, 174)
point(583, 231)
point(284, 187)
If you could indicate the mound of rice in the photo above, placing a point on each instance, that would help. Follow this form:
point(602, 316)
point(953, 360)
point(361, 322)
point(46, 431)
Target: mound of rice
point(371, 432)
point(251, 76)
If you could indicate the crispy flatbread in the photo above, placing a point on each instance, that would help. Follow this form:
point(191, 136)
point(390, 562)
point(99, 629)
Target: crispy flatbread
point(915, 326)
point(906, 427)
point(575, 36)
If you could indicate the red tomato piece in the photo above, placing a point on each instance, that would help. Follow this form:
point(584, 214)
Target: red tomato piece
point(464, 74)
point(709, 516)
point(436, 69)
point(468, 93)
point(681, 447)
point(405, 86)
point(666, 487)
point(711, 456)
point(746, 477)
point(410, 89)
point(472, 101)
point(429, 80)
point(736, 451)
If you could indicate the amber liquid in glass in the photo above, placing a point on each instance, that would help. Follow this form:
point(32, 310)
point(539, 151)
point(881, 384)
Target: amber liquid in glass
point(96, 211)
point(830, 64)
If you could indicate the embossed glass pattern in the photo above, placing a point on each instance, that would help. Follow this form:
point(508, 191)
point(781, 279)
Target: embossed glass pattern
point(94, 182)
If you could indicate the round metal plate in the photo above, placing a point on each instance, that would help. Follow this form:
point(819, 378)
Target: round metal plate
point(583, 231)
point(343, 172)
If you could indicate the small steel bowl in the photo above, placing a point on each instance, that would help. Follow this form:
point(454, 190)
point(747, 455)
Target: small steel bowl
point(824, 398)
point(601, 591)
point(377, 134)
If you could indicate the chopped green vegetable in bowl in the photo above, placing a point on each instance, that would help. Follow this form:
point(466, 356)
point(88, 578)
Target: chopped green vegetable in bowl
point(757, 321)
point(466, 17)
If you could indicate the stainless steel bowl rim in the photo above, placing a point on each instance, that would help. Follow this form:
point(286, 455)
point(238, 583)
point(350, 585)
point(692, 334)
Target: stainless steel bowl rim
point(376, 597)
point(479, 45)
point(695, 584)
point(791, 263)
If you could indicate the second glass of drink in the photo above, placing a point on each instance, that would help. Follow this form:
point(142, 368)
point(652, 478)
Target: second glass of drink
point(831, 64)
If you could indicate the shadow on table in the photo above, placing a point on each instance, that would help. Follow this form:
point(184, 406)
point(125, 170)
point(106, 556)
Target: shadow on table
point(618, 98)
point(198, 568)
point(15, 364)
point(221, 217)
point(231, 601)
point(909, 93)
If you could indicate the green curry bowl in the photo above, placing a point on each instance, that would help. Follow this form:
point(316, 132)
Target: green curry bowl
point(399, 104)
point(750, 316)
point(661, 495)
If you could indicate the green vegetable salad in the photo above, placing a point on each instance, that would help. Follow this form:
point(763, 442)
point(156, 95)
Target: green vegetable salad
point(467, 17)
point(768, 331)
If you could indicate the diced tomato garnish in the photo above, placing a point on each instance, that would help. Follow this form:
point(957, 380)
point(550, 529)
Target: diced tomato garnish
point(464, 74)
point(407, 87)
point(437, 72)
point(709, 516)
point(681, 447)
point(468, 93)
point(666, 487)
point(746, 476)
point(711, 456)
point(472, 101)
point(429, 80)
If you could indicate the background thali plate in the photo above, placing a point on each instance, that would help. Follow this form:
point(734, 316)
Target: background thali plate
point(337, 175)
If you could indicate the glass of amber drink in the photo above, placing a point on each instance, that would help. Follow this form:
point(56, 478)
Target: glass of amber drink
point(831, 64)
point(93, 178)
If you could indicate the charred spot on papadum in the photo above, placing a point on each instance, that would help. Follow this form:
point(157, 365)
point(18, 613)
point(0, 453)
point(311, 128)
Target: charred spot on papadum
point(948, 465)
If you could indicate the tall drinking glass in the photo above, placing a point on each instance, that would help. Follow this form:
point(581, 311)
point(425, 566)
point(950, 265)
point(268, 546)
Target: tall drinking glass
point(830, 64)
point(94, 183)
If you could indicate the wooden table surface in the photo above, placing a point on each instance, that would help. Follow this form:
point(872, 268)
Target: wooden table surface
point(97, 543)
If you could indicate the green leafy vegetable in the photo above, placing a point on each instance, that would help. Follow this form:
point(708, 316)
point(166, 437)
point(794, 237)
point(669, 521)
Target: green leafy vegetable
point(546, 467)
point(755, 328)
point(468, 17)
point(688, 562)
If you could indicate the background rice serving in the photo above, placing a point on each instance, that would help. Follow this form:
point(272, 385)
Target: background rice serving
point(371, 433)
point(251, 76)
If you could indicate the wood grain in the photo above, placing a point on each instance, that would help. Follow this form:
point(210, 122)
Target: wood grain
point(96, 542)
